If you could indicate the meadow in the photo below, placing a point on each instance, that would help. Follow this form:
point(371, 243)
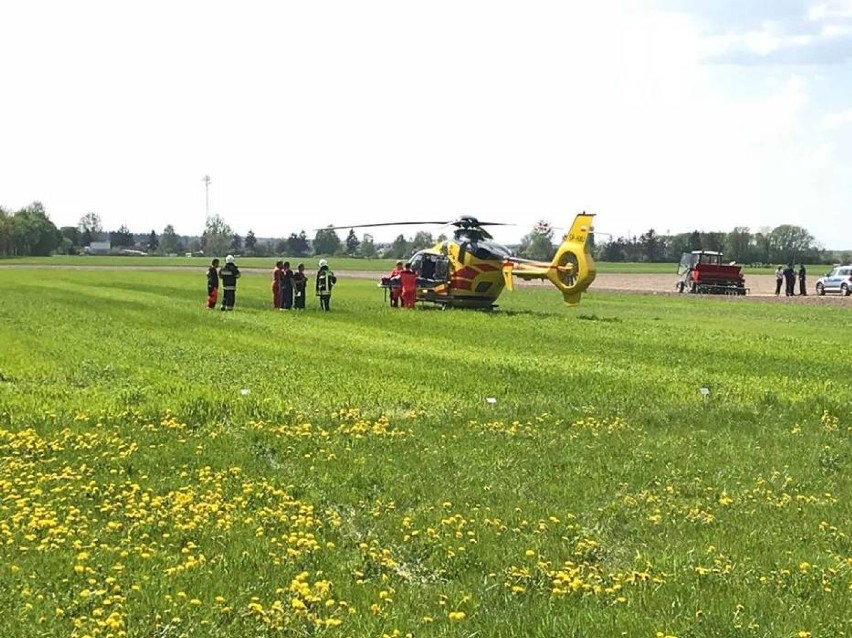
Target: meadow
point(641, 465)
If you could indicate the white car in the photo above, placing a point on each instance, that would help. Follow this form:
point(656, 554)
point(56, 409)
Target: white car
point(838, 280)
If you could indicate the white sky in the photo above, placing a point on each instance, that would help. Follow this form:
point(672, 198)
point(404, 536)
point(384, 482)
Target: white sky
point(663, 114)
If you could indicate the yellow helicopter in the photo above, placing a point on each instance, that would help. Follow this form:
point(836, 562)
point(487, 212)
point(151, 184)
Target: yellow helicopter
point(470, 270)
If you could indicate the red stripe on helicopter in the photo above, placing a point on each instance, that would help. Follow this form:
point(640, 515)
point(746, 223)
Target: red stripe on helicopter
point(487, 268)
point(461, 284)
point(465, 273)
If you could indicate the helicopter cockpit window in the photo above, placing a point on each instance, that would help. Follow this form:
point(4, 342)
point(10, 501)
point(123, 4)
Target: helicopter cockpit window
point(489, 250)
point(417, 263)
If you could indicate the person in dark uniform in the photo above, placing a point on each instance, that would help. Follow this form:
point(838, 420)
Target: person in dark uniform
point(325, 282)
point(212, 284)
point(286, 287)
point(229, 275)
point(276, 284)
point(300, 284)
point(790, 280)
point(803, 289)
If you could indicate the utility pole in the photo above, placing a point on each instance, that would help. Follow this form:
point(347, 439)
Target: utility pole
point(206, 179)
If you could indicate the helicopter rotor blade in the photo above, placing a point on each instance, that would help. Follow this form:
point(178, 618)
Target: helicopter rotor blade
point(379, 224)
point(459, 222)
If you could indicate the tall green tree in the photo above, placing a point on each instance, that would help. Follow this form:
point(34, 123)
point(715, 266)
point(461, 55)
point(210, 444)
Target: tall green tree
point(250, 242)
point(713, 241)
point(217, 236)
point(422, 239)
point(614, 250)
point(6, 243)
point(122, 237)
point(90, 228)
point(538, 243)
point(71, 239)
point(33, 233)
point(298, 245)
point(737, 246)
point(399, 249)
point(368, 247)
point(153, 243)
point(788, 244)
point(652, 246)
point(169, 241)
point(326, 242)
point(352, 243)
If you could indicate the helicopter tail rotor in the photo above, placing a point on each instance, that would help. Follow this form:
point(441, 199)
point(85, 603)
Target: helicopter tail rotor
point(572, 270)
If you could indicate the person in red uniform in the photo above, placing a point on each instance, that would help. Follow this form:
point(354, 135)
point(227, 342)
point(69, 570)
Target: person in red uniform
point(276, 284)
point(408, 289)
point(212, 284)
point(395, 291)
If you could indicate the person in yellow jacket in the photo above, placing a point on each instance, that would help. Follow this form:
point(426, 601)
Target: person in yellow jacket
point(229, 275)
point(325, 282)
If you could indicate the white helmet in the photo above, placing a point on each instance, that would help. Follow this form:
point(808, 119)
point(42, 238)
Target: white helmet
point(323, 263)
point(229, 259)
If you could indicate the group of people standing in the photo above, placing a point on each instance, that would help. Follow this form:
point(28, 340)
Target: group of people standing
point(787, 277)
point(288, 287)
point(228, 274)
point(403, 286)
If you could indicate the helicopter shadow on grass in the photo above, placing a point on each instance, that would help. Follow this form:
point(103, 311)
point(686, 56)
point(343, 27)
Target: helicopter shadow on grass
point(542, 314)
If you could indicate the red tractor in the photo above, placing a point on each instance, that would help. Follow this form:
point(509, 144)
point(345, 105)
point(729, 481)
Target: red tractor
point(702, 272)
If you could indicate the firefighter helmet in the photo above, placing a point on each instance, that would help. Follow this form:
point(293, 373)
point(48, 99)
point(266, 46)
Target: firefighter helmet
point(229, 259)
point(323, 263)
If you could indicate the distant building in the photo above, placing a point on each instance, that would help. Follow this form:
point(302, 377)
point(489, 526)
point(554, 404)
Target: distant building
point(98, 248)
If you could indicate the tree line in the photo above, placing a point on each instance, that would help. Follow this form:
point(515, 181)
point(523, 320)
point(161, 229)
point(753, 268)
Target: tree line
point(29, 232)
point(779, 245)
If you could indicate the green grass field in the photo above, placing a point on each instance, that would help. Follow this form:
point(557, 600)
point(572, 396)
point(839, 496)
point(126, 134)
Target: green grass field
point(537, 471)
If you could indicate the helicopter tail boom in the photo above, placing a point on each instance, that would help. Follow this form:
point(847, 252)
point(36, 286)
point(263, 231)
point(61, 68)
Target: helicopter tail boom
point(572, 269)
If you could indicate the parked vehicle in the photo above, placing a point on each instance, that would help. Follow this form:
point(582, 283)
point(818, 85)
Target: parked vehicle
point(703, 272)
point(838, 280)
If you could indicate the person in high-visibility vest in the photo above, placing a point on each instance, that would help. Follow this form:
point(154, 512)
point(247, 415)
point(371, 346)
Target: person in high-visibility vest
point(229, 275)
point(325, 282)
point(212, 284)
point(408, 290)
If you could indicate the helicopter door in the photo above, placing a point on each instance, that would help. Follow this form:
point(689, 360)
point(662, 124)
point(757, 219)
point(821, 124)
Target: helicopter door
point(442, 269)
point(431, 269)
point(416, 262)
